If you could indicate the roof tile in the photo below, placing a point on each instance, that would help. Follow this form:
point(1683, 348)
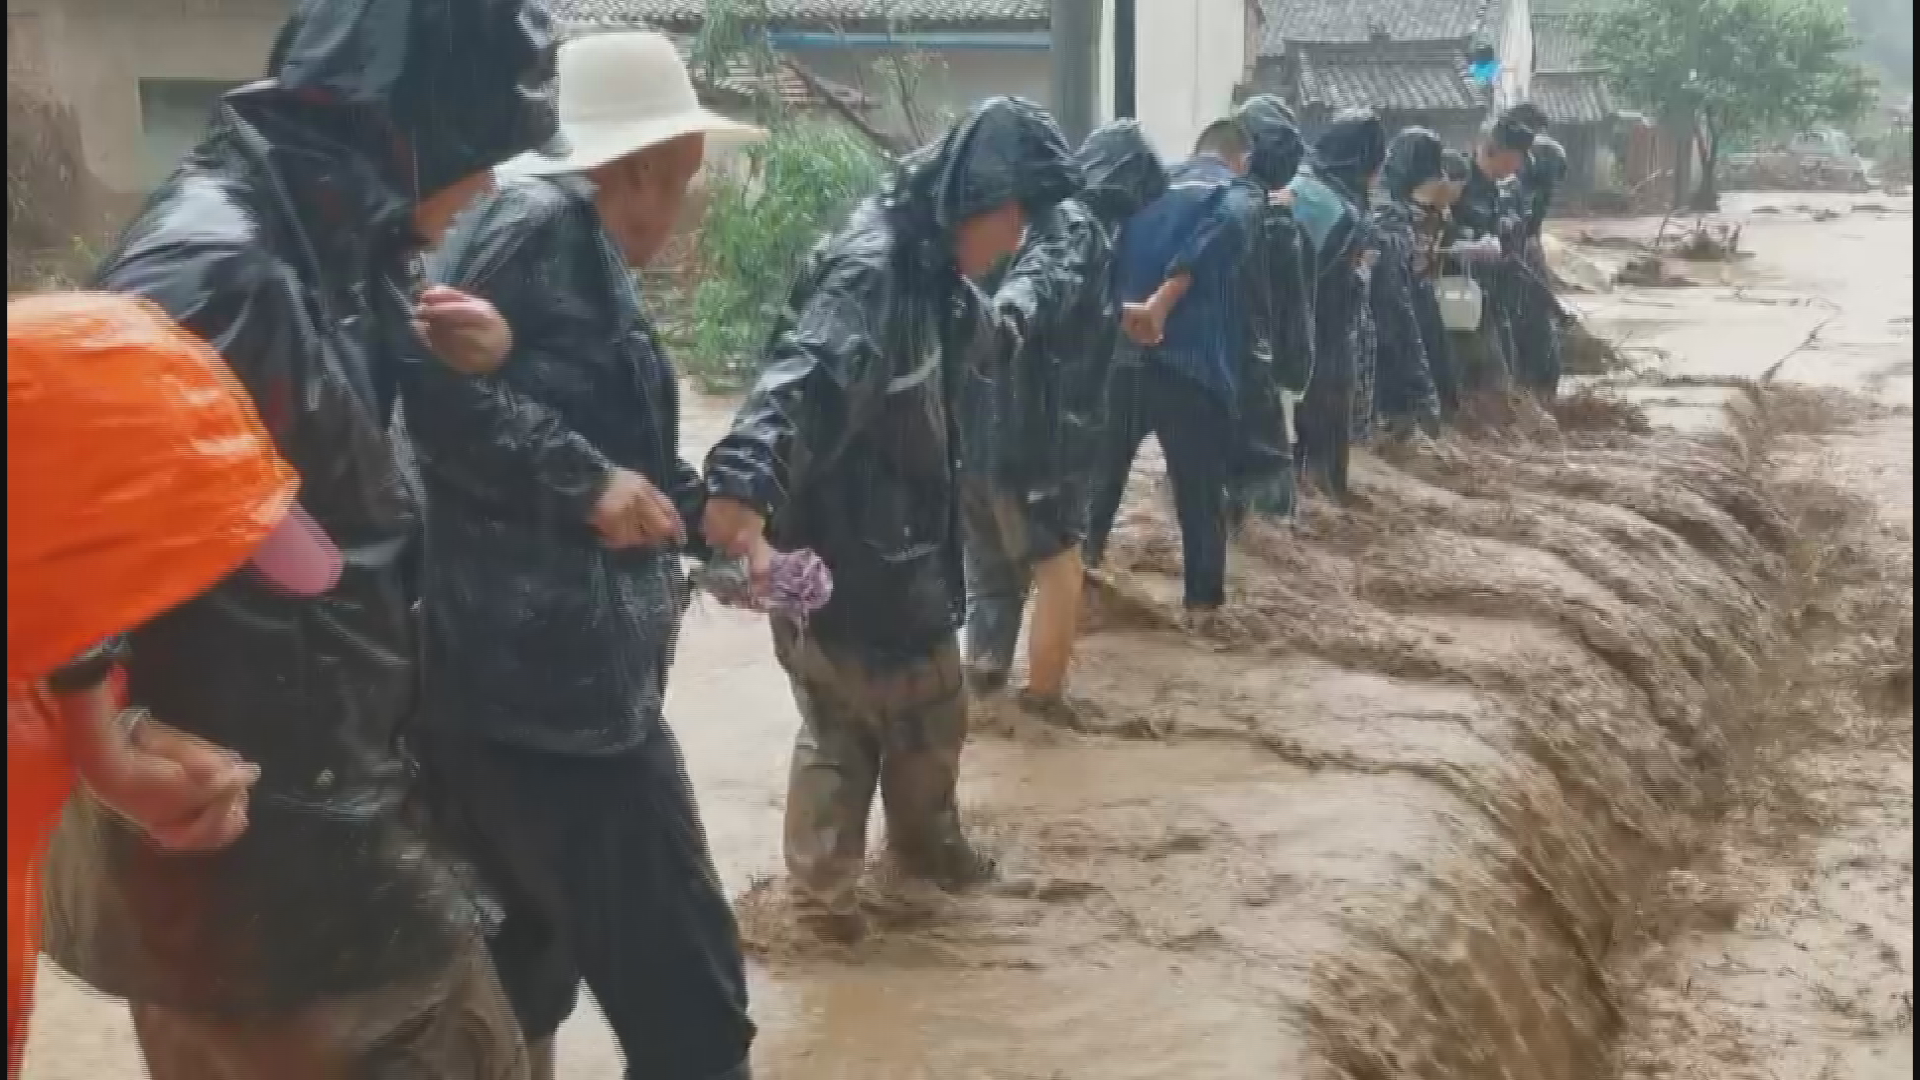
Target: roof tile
point(1400, 84)
point(1558, 45)
point(683, 13)
point(1573, 97)
point(1359, 20)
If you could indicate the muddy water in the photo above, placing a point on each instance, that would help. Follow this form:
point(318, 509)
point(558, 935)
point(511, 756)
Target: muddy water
point(1406, 811)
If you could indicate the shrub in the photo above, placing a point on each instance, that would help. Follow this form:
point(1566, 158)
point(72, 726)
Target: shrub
point(760, 222)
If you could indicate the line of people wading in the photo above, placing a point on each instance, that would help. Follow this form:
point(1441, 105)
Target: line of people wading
point(442, 794)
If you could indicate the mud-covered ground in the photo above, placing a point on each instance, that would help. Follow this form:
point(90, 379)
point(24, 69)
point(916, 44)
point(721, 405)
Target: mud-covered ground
point(1558, 757)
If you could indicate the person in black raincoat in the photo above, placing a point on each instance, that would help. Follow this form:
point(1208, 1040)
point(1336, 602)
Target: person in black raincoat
point(1330, 199)
point(332, 939)
point(1536, 313)
point(1430, 225)
point(554, 588)
point(848, 445)
point(1024, 503)
point(1278, 349)
point(1415, 175)
point(1487, 212)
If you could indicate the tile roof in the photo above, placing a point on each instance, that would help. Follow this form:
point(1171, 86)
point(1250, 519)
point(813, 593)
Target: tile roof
point(742, 80)
point(1357, 21)
point(1026, 14)
point(1394, 83)
point(1573, 97)
point(1558, 46)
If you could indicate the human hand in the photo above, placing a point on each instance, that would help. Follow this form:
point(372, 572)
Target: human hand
point(182, 791)
point(467, 333)
point(737, 529)
point(1142, 324)
point(632, 513)
point(1283, 197)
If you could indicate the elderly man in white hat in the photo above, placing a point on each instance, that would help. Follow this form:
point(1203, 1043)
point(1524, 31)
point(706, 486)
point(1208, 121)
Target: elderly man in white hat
point(558, 511)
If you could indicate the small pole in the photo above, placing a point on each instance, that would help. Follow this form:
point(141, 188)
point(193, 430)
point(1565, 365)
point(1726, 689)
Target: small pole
point(1125, 53)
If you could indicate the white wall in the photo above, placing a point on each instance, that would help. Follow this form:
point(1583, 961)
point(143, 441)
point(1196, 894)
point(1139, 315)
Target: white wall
point(95, 52)
point(1516, 55)
point(1190, 56)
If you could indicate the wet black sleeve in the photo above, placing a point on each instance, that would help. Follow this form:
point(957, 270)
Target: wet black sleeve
point(490, 435)
point(825, 377)
point(234, 297)
point(1290, 300)
point(1401, 357)
point(1046, 290)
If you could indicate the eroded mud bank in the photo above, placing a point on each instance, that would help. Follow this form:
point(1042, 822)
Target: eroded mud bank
point(1408, 809)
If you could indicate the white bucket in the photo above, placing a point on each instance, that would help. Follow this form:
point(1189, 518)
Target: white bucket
point(1459, 303)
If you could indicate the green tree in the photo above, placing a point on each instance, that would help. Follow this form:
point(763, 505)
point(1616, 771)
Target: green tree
point(1719, 70)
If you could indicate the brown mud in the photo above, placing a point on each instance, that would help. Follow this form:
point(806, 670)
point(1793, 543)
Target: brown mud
point(1472, 779)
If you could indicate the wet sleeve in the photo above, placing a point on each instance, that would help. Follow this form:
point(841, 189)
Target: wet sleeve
point(1402, 357)
point(825, 376)
point(490, 435)
point(234, 297)
point(684, 486)
point(1291, 303)
point(1222, 232)
point(1042, 282)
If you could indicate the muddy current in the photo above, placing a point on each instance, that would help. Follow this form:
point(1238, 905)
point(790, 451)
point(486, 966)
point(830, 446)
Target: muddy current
point(1420, 803)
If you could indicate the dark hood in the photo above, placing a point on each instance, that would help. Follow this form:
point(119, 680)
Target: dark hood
point(1350, 150)
point(1275, 148)
point(1004, 149)
point(431, 91)
point(1414, 157)
point(1546, 162)
point(1122, 172)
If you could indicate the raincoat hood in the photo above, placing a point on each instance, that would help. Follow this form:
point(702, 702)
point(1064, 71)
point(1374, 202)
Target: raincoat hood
point(1546, 162)
point(1121, 170)
point(1005, 149)
point(1414, 157)
point(434, 91)
point(1350, 150)
point(1275, 146)
point(138, 473)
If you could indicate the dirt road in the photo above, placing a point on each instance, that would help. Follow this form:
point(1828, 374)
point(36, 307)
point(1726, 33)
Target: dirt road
point(1425, 801)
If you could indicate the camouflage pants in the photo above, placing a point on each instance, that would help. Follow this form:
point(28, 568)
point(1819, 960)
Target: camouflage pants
point(897, 728)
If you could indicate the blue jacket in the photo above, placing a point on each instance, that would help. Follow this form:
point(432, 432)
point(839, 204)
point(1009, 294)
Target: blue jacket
point(1201, 226)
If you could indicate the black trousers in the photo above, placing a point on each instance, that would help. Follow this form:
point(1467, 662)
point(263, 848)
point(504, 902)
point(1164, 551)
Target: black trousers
point(1196, 434)
point(602, 868)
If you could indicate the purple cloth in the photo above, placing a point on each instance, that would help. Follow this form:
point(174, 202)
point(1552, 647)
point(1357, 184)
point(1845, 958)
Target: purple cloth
point(798, 584)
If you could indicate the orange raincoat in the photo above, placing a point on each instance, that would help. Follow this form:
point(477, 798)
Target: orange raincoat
point(137, 475)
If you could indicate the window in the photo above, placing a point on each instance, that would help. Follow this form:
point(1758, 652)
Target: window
point(174, 115)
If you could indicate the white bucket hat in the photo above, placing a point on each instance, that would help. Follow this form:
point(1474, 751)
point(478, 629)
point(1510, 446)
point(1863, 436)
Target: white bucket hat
point(621, 93)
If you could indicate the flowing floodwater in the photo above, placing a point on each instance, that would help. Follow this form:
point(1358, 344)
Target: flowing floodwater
point(1423, 800)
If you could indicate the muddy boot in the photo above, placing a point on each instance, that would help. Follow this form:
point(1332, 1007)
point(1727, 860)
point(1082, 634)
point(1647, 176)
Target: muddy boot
point(920, 770)
point(954, 865)
point(838, 925)
point(1053, 709)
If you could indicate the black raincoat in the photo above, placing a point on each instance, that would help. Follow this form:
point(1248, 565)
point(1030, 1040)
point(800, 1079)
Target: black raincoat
point(1404, 392)
point(849, 441)
point(286, 241)
point(1279, 305)
point(1060, 289)
point(538, 634)
point(1487, 208)
point(1347, 152)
